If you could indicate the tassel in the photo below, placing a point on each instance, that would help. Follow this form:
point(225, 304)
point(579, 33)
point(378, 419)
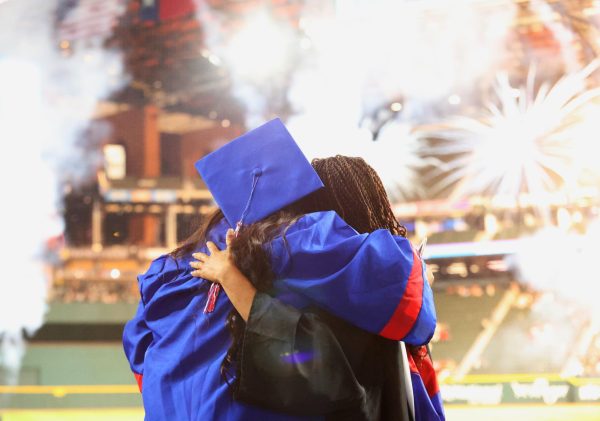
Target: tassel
point(213, 293)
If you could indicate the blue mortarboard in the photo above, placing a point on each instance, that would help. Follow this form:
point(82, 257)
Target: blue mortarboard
point(258, 173)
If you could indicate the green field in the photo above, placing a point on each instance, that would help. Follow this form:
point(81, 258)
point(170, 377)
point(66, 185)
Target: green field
point(562, 412)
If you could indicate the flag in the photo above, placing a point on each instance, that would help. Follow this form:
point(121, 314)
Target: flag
point(156, 10)
point(85, 19)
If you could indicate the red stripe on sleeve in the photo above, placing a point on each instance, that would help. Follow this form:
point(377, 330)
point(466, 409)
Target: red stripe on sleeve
point(138, 379)
point(408, 309)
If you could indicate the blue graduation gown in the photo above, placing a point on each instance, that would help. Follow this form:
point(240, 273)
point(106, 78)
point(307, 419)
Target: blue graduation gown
point(175, 350)
point(375, 281)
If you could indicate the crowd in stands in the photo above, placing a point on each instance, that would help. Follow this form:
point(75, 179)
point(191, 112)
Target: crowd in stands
point(106, 292)
point(463, 312)
point(528, 332)
point(471, 290)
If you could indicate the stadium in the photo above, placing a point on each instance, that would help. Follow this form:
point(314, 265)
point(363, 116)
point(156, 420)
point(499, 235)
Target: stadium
point(487, 144)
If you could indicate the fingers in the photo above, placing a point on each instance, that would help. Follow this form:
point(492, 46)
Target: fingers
point(200, 256)
point(229, 237)
point(201, 272)
point(198, 273)
point(212, 247)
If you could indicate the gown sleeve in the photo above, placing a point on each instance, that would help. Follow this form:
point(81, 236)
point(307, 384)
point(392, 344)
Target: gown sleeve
point(137, 337)
point(291, 361)
point(374, 281)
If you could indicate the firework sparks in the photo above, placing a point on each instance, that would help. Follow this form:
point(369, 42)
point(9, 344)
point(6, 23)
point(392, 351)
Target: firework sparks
point(527, 141)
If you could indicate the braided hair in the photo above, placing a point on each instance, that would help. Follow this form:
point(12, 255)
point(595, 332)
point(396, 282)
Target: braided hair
point(354, 190)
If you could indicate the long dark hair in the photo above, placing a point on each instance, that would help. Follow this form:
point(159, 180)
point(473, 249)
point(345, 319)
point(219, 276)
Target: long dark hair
point(191, 243)
point(352, 189)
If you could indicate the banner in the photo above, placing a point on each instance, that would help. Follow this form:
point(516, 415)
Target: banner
point(540, 390)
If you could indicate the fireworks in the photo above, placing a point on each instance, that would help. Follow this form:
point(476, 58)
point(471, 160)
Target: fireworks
point(527, 141)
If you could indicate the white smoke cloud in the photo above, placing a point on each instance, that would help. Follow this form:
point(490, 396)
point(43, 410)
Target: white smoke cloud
point(360, 56)
point(553, 260)
point(561, 268)
point(369, 55)
point(47, 99)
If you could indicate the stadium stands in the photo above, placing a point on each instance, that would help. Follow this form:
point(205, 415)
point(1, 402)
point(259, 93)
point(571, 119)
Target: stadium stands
point(537, 336)
point(515, 231)
point(462, 311)
point(85, 291)
point(453, 236)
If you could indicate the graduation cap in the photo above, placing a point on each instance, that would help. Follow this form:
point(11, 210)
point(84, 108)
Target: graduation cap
point(258, 173)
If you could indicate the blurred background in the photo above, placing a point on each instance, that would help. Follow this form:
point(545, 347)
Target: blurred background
point(482, 117)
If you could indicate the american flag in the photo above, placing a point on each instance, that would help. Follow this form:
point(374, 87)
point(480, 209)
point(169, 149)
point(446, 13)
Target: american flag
point(88, 19)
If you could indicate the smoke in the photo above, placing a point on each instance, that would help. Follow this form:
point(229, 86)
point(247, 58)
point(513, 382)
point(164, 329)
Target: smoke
point(560, 268)
point(545, 332)
point(258, 53)
point(47, 97)
point(382, 67)
point(562, 263)
point(357, 71)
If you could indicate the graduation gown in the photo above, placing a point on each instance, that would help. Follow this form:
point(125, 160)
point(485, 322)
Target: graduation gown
point(318, 349)
point(175, 350)
point(305, 362)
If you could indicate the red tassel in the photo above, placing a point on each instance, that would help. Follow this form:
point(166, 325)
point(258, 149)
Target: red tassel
point(213, 293)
